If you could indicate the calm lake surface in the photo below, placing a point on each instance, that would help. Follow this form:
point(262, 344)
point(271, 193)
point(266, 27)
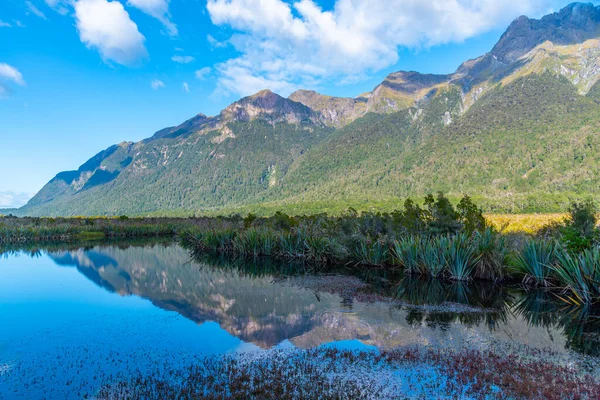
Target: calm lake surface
point(69, 317)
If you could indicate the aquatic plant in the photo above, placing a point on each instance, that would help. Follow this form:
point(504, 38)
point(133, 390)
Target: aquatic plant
point(405, 252)
point(292, 244)
point(460, 258)
point(329, 373)
point(255, 242)
point(433, 255)
point(492, 255)
point(534, 261)
point(374, 254)
point(579, 275)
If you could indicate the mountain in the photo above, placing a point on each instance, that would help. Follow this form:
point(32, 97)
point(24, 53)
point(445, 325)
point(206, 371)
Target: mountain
point(515, 128)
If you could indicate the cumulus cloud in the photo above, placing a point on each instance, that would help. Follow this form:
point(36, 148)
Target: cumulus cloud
point(105, 25)
point(4, 24)
point(203, 73)
point(158, 9)
point(157, 84)
point(34, 10)
point(284, 44)
point(13, 200)
point(186, 87)
point(183, 59)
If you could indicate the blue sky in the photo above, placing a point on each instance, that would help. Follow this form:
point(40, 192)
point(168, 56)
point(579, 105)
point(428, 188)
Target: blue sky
point(79, 75)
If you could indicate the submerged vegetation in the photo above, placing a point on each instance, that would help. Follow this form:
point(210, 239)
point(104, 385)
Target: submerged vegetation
point(329, 373)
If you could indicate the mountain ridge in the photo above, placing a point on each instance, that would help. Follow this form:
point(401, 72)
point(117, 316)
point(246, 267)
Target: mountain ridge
point(265, 148)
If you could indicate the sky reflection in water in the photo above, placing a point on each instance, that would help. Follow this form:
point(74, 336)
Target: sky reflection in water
point(67, 318)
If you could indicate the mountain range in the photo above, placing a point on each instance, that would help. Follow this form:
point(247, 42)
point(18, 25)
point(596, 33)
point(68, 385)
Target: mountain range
point(516, 129)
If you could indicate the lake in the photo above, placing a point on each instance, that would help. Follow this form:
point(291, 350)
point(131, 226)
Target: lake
point(71, 317)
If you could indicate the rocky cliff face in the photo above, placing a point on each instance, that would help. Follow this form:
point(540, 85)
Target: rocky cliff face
point(333, 111)
point(271, 107)
point(574, 24)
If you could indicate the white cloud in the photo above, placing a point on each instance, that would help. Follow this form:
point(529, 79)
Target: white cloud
point(215, 43)
point(34, 10)
point(19, 23)
point(4, 24)
point(106, 26)
point(203, 73)
point(186, 87)
point(10, 73)
point(13, 200)
point(183, 59)
point(157, 84)
point(158, 9)
point(59, 6)
point(289, 44)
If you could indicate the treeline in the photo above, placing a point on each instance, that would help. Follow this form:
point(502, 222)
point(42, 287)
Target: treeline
point(33, 229)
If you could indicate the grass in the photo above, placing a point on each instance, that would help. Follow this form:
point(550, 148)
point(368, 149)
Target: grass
point(523, 223)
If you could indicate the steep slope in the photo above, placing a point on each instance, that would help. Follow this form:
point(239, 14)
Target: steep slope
point(574, 24)
point(229, 159)
point(515, 128)
point(530, 145)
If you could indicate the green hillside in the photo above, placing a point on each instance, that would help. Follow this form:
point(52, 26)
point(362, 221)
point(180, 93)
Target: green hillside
point(516, 129)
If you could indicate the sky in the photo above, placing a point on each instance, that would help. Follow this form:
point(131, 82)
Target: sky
point(77, 76)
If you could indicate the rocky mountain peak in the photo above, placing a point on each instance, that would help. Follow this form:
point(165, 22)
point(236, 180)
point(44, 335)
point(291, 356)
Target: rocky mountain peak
point(575, 23)
point(411, 82)
point(270, 106)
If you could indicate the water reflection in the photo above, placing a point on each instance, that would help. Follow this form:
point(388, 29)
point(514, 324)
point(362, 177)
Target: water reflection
point(246, 300)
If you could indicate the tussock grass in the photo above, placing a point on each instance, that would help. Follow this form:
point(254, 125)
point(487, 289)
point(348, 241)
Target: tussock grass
point(523, 223)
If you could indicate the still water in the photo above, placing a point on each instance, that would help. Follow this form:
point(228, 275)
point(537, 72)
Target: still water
point(71, 317)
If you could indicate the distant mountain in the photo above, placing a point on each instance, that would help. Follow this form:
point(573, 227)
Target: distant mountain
point(516, 128)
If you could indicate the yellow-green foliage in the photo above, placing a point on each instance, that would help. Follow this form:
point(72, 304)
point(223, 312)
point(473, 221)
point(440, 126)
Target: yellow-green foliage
point(525, 223)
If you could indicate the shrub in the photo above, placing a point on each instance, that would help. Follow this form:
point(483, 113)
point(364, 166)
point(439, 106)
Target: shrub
point(405, 252)
point(470, 216)
point(441, 215)
point(579, 231)
point(534, 261)
point(375, 254)
point(492, 254)
point(433, 254)
point(460, 258)
point(580, 275)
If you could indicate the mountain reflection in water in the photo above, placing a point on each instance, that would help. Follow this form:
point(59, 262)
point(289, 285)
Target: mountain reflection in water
point(246, 300)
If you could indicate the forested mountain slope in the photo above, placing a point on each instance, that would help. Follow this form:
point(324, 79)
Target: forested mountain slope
point(517, 129)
